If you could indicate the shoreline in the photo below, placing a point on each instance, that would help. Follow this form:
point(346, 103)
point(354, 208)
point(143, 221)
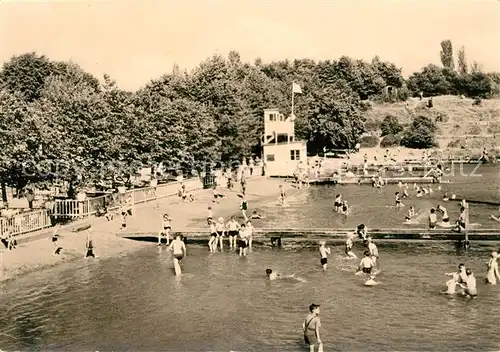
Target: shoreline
point(37, 255)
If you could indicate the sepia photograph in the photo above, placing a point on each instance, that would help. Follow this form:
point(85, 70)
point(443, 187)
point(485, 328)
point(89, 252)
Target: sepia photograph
point(238, 175)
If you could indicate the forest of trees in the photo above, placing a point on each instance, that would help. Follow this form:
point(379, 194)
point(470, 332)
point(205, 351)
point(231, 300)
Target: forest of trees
point(57, 120)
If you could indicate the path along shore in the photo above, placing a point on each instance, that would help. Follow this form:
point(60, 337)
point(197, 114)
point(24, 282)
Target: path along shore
point(38, 254)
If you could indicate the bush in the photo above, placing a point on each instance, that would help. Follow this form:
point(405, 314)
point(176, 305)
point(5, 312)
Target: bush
point(494, 128)
point(390, 140)
point(372, 125)
point(368, 141)
point(390, 125)
point(421, 134)
point(456, 143)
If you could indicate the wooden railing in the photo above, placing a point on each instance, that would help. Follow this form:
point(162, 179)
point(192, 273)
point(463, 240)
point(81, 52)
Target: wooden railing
point(24, 223)
point(83, 208)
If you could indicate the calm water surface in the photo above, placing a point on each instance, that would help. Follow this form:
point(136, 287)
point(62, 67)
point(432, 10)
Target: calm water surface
point(223, 302)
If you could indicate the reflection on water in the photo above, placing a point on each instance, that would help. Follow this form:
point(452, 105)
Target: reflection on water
point(224, 302)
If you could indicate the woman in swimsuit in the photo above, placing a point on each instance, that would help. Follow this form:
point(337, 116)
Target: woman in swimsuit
point(212, 243)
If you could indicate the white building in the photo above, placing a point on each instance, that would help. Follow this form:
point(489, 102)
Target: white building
point(281, 152)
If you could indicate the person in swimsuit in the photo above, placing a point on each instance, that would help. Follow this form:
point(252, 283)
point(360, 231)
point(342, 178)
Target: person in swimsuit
point(324, 251)
point(166, 227)
point(178, 247)
point(492, 275)
point(405, 192)
point(249, 230)
point(348, 247)
point(255, 215)
point(366, 265)
point(220, 228)
point(244, 208)
point(337, 204)
point(432, 219)
point(212, 243)
point(470, 284)
point(271, 275)
point(89, 246)
point(371, 281)
point(362, 231)
point(55, 237)
point(410, 214)
point(344, 208)
point(445, 219)
point(282, 196)
point(311, 326)
point(233, 228)
point(372, 248)
point(124, 218)
point(461, 221)
point(210, 215)
point(397, 199)
point(243, 240)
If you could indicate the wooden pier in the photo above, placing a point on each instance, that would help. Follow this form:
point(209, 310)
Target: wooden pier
point(362, 179)
point(310, 234)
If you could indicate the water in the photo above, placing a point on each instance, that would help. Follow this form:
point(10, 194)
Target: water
point(312, 207)
point(223, 302)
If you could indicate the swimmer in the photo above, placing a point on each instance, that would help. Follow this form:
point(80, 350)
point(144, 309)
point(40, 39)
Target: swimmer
point(432, 219)
point(371, 281)
point(348, 247)
point(124, 219)
point(470, 285)
point(461, 222)
point(250, 230)
point(445, 197)
point(272, 276)
point(255, 215)
point(405, 192)
point(425, 190)
point(55, 237)
point(233, 229)
point(212, 243)
point(366, 265)
point(345, 208)
point(410, 214)
point(492, 275)
point(458, 278)
point(419, 192)
point(453, 196)
point(372, 248)
point(178, 247)
point(397, 199)
point(166, 227)
point(324, 251)
point(445, 220)
point(337, 205)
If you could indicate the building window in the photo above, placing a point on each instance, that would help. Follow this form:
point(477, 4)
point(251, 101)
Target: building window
point(295, 154)
point(272, 117)
point(282, 137)
point(270, 157)
point(291, 138)
point(282, 118)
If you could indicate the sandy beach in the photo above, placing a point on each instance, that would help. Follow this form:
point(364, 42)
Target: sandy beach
point(38, 255)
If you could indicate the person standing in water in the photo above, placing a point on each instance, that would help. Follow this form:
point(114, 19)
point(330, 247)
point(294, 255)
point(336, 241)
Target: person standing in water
point(492, 275)
point(89, 245)
point(233, 228)
point(249, 230)
point(432, 219)
point(410, 214)
point(166, 227)
point(178, 248)
point(244, 208)
point(212, 243)
point(243, 240)
point(445, 221)
point(282, 196)
point(397, 199)
point(470, 284)
point(372, 248)
point(366, 265)
point(324, 252)
point(348, 247)
point(311, 326)
point(220, 227)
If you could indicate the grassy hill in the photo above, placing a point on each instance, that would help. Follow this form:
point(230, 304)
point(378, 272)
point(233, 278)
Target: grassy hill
point(461, 124)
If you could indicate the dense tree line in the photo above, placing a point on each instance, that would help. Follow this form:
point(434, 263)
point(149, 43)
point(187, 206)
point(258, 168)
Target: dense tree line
point(58, 121)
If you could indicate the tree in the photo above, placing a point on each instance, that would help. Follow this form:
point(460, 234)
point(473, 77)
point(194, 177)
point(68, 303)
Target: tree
point(462, 62)
point(420, 134)
point(447, 54)
point(390, 125)
point(431, 80)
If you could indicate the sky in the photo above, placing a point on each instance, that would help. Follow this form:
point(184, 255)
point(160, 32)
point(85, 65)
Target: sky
point(136, 41)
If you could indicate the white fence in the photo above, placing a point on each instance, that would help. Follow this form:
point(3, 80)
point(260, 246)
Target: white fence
point(75, 209)
point(24, 223)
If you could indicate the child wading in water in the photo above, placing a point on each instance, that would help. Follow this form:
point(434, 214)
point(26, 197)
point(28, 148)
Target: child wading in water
point(89, 246)
point(212, 243)
point(166, 227)
point(243, 240)
point(324, 251)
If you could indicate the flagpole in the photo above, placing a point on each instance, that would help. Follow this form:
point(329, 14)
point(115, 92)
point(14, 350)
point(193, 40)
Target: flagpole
point(292, 101)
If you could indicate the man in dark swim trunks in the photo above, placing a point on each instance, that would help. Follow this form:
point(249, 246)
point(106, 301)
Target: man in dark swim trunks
point(179, 251)
point(311, 326)
point(89, 246)
point(366, 264)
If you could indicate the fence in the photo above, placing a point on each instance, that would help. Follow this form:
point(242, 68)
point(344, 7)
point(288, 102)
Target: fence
point(24, 223)
point(75, 209)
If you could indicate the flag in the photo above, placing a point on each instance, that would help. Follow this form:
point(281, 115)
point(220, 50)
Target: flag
point(296, 88)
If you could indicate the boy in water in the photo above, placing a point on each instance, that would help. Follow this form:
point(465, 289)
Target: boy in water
point(89, 246)
point(432, 219)
point(255, 215)
point(250, 230)
point(410, 214)
point(362, 232)
point(212, 243)
point(366, 265)
point(233, 228)
point(272, 276)
point(311, 326)
point(166, 227)
point(179, 251)
point(397, 199)
point(470, 284)
point(324, 251)
point(445, 219)
point(243, 240)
